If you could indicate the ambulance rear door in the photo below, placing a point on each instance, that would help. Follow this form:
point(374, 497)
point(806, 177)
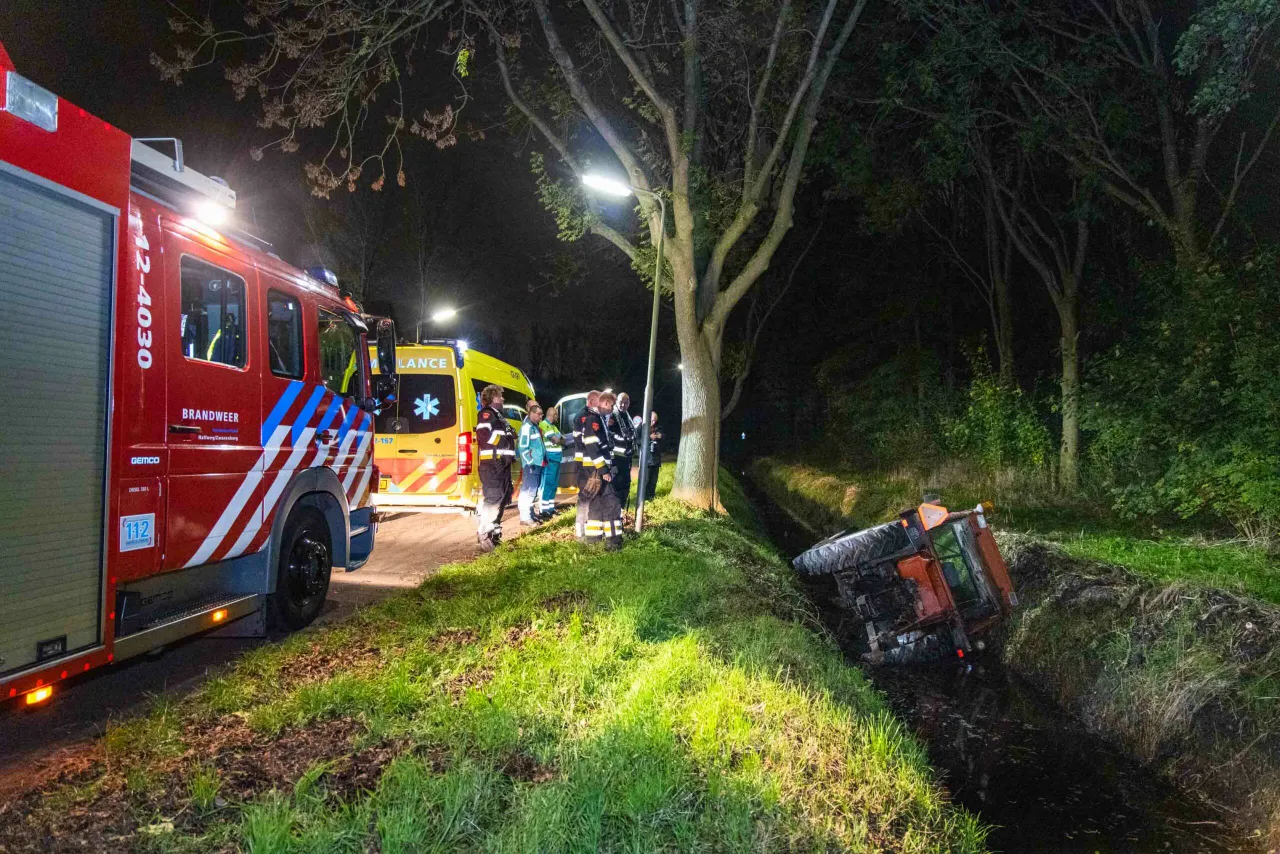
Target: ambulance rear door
point(214, 405)
point(418, 432)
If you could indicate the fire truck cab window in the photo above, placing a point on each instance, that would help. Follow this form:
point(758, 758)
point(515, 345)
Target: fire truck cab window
point(284, 335)
point(213, 316)
point(339, 367)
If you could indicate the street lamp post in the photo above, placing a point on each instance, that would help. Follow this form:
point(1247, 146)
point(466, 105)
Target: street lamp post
point(617, 188)
point(440, 315)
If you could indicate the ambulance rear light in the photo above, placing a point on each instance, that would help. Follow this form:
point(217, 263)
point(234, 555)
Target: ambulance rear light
point(377, 478)
point(30, 102)
point(464, 452)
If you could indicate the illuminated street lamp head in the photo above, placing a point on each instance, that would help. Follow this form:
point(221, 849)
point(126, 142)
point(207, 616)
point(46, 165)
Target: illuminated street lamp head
point(608, 186)
point(444, 315)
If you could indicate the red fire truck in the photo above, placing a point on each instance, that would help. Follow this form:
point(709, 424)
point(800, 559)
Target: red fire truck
point(190, 441)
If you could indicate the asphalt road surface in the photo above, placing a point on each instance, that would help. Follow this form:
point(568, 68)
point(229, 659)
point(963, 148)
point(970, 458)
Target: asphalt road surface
point(37, 744)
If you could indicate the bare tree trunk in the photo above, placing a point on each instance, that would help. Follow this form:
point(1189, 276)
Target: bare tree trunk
point(1069, 453)
point(1004, 329)
point(999, 266)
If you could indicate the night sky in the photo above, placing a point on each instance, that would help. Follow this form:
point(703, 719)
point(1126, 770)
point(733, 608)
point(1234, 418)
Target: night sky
point(498, 242)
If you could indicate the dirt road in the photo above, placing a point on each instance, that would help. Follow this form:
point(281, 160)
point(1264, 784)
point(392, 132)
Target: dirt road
point(36, 744)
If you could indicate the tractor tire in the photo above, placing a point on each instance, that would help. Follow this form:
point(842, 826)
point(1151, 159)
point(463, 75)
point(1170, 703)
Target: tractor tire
point(302, 571)
point(849, 551)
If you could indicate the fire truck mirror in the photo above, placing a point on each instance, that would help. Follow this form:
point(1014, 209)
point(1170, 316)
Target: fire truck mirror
point(384, 388)
point(386, 348)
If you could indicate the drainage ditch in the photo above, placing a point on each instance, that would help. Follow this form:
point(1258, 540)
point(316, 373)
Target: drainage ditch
point(1043, 782)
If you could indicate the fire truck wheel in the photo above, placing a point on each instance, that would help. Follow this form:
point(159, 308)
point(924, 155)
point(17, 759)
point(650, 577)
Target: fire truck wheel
point(302, 578)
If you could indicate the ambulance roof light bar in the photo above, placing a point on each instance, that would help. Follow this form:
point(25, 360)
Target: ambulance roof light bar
point(458, 346)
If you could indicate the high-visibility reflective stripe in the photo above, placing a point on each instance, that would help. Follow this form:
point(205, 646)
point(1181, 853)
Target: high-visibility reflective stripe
point(590, 440)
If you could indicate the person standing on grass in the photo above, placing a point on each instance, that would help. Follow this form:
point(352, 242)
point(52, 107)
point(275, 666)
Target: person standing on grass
point(553, 441)
point(591, 440)
point(655, 457)
point(532, 454)
point(623, 435)
point(496, 442)
point(604, 517)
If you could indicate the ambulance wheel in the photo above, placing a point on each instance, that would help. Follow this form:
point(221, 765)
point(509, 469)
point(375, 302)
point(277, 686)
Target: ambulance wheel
point(302, 576)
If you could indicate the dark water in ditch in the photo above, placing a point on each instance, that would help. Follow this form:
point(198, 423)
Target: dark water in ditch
point(1041, 781)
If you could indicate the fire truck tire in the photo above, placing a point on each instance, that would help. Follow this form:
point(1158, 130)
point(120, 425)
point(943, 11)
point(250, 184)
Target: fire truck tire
point(302, 574)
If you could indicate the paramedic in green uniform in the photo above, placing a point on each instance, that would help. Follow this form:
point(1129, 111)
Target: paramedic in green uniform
point(553, 441)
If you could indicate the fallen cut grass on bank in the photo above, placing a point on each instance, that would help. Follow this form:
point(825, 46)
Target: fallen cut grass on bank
point(547, 697)
point(831, 501)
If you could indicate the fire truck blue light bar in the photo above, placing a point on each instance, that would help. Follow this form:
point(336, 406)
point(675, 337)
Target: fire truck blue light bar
point(31, 103)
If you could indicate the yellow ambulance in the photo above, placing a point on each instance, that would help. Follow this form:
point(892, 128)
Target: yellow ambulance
point(425, 439)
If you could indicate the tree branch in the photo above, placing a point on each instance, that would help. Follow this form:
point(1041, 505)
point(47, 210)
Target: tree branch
point(635, 172)
point(612, 235)
point(757, 102)
point(1239, 175)
point(642, 80)
point(559, 144)
point(759, 261)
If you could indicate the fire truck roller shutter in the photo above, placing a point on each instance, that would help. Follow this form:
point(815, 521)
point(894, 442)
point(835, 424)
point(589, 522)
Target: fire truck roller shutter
point(56, 261)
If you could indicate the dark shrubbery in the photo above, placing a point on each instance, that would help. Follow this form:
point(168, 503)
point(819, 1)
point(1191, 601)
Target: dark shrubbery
point(901, 414)
point(1184, 415)
point(1181, 418)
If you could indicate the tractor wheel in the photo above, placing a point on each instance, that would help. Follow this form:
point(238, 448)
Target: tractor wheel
point(302, 573)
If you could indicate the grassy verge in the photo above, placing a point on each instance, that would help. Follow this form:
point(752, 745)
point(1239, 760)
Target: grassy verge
point(1140, 638)
point(547, 697)
point(831, 501)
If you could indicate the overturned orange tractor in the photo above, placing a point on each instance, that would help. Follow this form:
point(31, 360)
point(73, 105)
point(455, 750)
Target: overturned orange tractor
point(923, 587)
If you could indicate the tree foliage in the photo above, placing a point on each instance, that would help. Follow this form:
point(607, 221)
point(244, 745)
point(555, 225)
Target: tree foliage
point(1185, 414)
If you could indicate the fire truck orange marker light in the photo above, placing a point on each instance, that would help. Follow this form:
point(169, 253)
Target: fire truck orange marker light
point(39, 695)
point(219, 615)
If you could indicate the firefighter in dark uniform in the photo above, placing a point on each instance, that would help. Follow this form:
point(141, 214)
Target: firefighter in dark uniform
point(622, 433)
point(604, 516)
point(496, 443)
point(590, 441)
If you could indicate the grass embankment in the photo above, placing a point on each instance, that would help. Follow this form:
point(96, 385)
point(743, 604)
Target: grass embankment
point(547, 697)
point(1140, 638)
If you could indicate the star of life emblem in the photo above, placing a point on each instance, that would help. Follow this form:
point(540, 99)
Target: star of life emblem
point(426, 406)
